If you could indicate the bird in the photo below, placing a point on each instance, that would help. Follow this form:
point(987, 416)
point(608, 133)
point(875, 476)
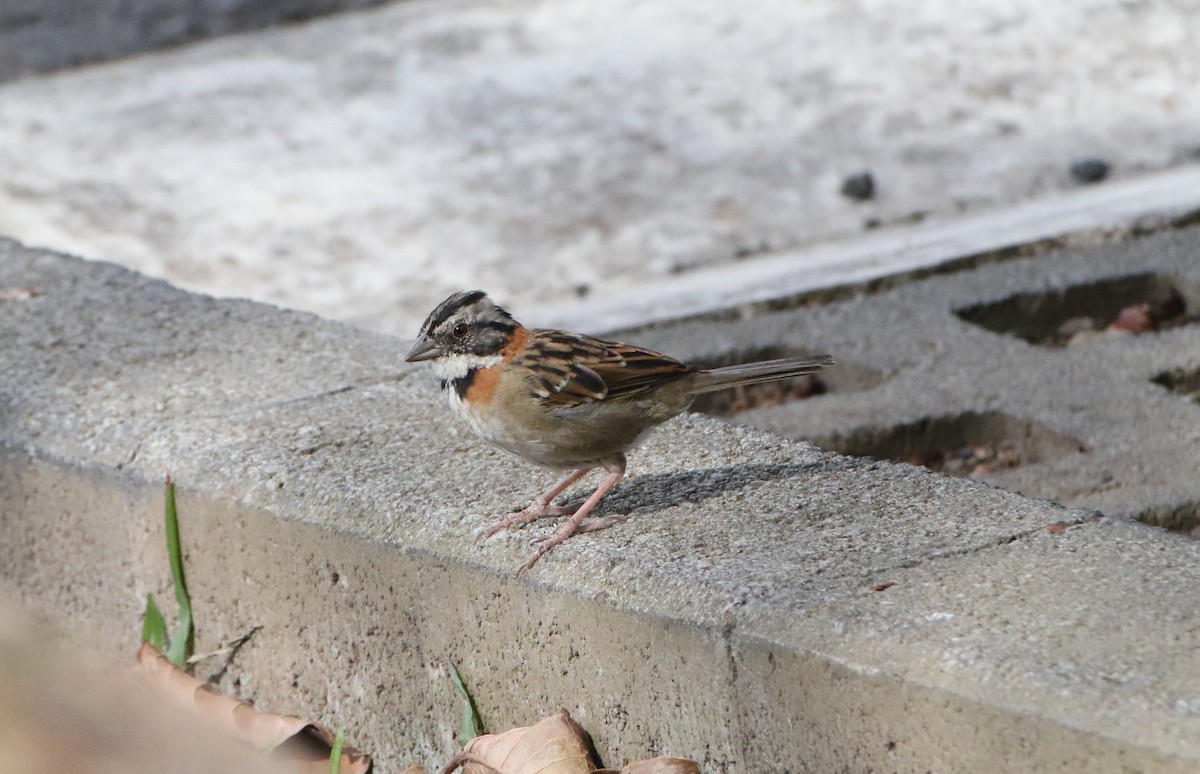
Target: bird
point(565, 400)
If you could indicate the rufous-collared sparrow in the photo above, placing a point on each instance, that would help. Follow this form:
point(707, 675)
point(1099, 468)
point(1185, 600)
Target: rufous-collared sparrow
point(564, 400)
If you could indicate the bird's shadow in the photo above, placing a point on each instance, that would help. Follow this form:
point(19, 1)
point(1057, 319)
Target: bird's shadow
point(659, 491)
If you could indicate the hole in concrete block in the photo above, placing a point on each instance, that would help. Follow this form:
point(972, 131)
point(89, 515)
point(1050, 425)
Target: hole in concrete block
point(1176, 518)
point(1136, 303)
point(968, 445)
point(844, 377)
point(1182, 381)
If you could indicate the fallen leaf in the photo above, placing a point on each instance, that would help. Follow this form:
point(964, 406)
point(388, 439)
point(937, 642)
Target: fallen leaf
point(65, 710)
point(554, 745)
point(1057, 528)
point(292, 739)
point(883, 586)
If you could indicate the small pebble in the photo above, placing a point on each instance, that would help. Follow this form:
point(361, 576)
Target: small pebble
point(1089, 170)
point(860, 187)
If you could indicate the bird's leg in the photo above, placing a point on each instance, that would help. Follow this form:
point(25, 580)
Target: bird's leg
point(540, 508)
point(576, 525)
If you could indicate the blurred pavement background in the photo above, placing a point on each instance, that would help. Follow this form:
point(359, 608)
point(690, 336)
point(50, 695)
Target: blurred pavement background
point(364, 165)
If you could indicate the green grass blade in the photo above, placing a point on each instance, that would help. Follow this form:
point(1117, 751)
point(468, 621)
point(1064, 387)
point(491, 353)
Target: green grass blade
point(154, 628)
point(470, 726)
point(335, 755)
point(183, 642)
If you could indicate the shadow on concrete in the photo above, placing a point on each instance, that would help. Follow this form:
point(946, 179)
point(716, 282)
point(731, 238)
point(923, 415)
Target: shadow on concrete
point(639, 495)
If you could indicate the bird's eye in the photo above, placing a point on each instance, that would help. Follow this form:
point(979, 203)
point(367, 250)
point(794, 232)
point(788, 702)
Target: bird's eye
point(460, 330)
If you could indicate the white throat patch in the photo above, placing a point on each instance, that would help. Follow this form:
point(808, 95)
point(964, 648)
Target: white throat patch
point(451, 367)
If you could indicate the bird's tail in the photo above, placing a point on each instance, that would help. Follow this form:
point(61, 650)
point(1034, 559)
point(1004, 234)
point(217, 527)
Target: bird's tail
point(753, 373)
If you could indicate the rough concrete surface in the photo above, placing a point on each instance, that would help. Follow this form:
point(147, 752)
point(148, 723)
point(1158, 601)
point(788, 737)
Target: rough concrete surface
point(766, 607)
point(365, 165)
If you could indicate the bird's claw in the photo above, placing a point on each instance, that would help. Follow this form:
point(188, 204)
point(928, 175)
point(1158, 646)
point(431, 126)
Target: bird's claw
point(588, 525)
point(521, 518)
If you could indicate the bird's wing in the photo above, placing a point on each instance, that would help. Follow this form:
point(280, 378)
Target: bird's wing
point(572, 369)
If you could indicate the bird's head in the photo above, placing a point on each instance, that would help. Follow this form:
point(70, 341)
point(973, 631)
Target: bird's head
point(467, 330)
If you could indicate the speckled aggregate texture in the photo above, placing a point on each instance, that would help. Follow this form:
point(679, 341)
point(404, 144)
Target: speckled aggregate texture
point(765, 607)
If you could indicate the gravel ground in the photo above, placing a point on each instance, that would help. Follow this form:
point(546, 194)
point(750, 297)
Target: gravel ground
point(362, 166)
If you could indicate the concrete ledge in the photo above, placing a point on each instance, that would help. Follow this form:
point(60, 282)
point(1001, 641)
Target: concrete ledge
point(328, 496)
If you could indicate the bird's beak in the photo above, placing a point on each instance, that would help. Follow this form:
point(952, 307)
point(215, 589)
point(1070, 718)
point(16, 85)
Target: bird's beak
point(422, 349)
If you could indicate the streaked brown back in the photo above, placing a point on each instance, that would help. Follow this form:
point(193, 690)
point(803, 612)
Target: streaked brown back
point(578, 369)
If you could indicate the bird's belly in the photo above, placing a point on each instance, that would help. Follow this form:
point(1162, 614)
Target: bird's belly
point(558, 441)
point(489, 427)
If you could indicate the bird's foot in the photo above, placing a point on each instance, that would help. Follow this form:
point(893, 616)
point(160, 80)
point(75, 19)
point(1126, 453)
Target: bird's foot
point(593, 524)
point(537, 510)
point(578, 521)
point(568, 530)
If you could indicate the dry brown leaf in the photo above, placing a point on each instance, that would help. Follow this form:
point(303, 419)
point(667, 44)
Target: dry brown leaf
point(297, 741)
point(65, 710)
point(416, 768)
point(554, 745)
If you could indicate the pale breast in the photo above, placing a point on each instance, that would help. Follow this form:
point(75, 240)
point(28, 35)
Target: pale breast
point(479, 400)
point(524, 440)
point(502, 407)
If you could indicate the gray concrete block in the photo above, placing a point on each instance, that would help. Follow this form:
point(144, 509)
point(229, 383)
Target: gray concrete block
point(941, 365)
point(766, 607)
